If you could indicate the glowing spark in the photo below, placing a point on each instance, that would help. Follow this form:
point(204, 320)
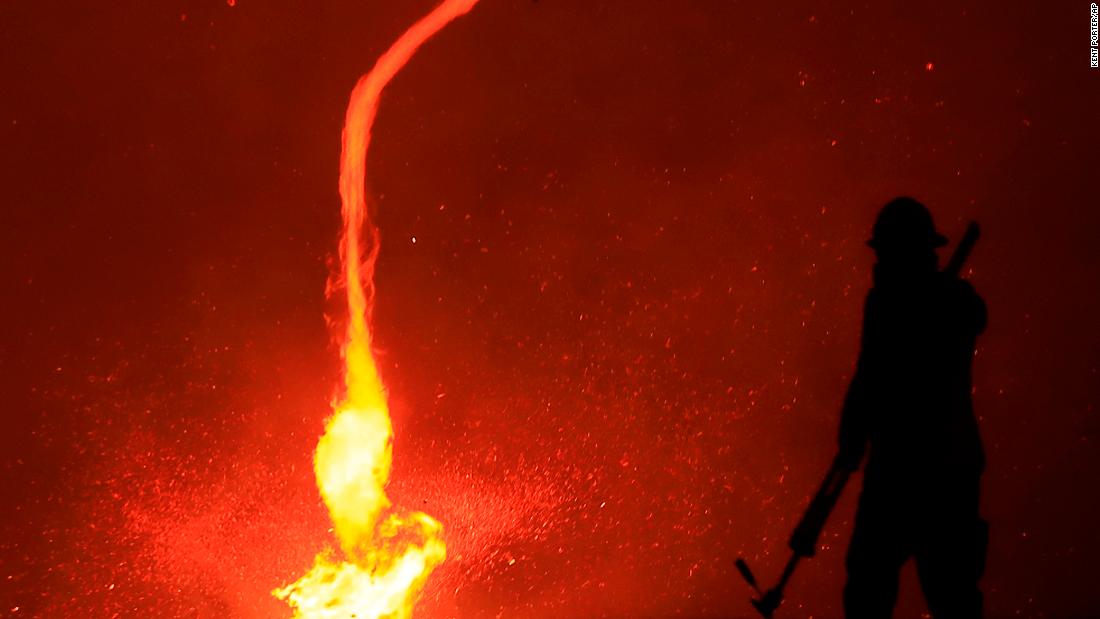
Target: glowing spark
point(386, 556)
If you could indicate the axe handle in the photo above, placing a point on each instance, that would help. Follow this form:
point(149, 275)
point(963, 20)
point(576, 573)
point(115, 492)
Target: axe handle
point(962, 251)
point(804, 538)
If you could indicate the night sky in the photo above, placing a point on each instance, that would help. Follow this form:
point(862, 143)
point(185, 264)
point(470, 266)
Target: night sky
point(618, 303)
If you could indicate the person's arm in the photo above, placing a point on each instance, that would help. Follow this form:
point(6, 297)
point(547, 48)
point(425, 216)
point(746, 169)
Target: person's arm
point(979, 319)
point(854, 421)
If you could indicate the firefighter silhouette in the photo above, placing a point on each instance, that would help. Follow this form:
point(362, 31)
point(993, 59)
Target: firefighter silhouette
point(909, 407)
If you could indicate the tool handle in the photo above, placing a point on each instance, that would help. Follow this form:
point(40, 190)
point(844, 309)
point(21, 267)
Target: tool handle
point(804, 538)
point(962, 251)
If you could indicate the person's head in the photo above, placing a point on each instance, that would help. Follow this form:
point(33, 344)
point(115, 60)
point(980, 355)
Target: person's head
point(904, 235)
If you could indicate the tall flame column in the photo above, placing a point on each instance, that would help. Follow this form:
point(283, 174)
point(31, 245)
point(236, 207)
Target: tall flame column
point(384, 556)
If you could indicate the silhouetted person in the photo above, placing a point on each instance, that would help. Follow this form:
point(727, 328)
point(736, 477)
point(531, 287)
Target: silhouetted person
point(909, 401)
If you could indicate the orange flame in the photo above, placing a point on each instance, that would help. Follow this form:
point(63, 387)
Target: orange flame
point(386, 556)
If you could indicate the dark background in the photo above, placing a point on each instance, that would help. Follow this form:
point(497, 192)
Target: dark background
point(616, 348)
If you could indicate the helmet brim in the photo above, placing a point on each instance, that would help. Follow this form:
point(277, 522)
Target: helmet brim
point(937, 240)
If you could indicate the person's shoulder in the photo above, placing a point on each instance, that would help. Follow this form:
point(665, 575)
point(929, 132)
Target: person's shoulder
point(963, 296)
point(957, 287)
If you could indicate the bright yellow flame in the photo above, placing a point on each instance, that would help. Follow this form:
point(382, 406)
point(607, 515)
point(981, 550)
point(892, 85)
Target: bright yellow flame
point(384, 557)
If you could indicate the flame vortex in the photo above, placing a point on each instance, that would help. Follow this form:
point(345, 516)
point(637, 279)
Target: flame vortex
point(385, 556)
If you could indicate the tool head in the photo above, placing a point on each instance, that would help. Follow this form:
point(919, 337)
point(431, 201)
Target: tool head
point(766, 605)
point(746, 573)
point(768, 602)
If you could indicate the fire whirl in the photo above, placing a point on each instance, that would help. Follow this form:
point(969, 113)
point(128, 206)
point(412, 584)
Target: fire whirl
point(384, 556)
